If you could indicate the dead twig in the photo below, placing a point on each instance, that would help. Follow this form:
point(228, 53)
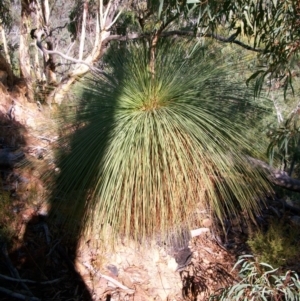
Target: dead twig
point(29, 281)
point(12, 269)
point(17, 295)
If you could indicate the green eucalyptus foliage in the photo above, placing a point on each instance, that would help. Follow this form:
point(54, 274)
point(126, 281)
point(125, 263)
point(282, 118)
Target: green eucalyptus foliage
point(285, 143)
point(268, 27)
point(145, 152)
point(261, 282)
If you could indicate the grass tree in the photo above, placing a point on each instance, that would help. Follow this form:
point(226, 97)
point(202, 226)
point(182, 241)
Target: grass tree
point(150, 152)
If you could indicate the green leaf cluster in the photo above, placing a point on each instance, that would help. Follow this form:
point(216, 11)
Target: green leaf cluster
point(260, 281)
point(271, 28)
point(285, 142)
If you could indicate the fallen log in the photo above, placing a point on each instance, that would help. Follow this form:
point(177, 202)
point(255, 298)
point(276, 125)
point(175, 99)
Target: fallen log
point(277, 177)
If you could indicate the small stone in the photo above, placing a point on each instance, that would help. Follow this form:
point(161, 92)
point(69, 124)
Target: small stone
point(207, 222)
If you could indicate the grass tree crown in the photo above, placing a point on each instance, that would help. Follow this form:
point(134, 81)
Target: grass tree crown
point(151, 150)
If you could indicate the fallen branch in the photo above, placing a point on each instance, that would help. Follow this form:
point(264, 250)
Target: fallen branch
point(277, 177)
point(288, 204)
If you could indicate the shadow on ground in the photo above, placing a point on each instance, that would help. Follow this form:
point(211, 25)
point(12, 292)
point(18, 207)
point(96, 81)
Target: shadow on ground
point(35, 262)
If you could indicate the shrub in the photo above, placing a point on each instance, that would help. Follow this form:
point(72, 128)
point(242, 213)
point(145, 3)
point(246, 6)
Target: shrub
point(278, 245)
point(260, 281)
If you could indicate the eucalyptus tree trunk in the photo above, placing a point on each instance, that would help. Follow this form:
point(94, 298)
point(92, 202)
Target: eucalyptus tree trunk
point(24, 56)
point(4, 44)
point(83, 29)
point(49, 61)
point(105, 18)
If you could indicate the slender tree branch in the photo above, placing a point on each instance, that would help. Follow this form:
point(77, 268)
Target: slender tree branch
point(68, 58)
point(184, 33)
point(38, 36)
point(114, 20)
point(106, 12)
point(59, 27)
point(135, 36)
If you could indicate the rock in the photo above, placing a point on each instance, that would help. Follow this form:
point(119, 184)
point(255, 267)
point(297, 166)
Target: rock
point(113, 269)
point(183, 258)
point(172, 264)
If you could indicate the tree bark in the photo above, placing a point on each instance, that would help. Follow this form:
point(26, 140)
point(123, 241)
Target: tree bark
point(49, 61)
point(105, 18)
point(5, 44)
point(83, 28)
point(24, 58)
